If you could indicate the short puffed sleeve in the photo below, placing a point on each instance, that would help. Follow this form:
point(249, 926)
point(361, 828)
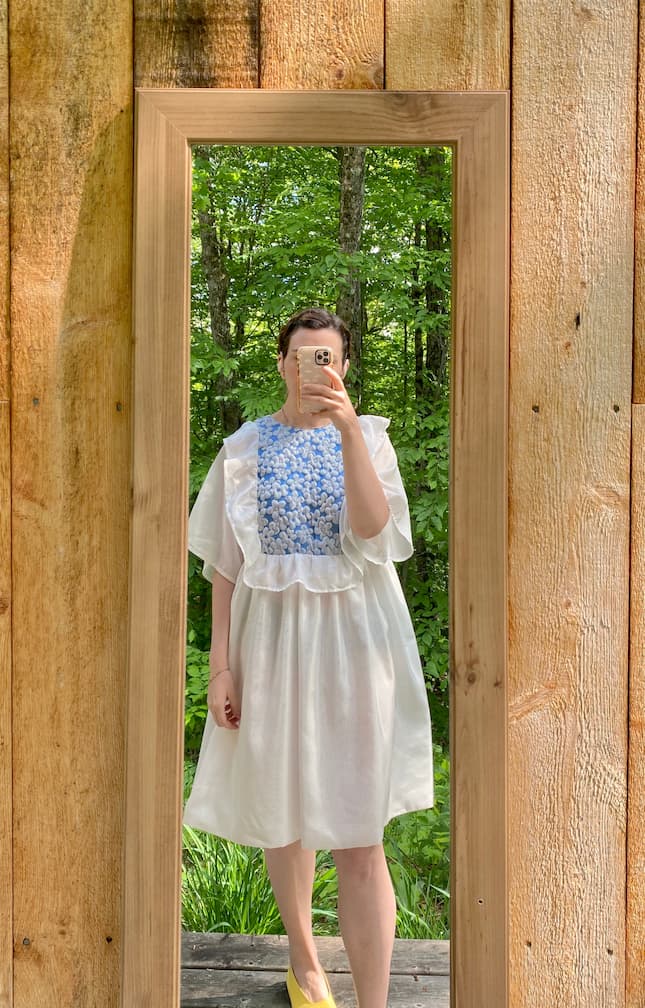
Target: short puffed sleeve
point(394, 541)
point(210, 534)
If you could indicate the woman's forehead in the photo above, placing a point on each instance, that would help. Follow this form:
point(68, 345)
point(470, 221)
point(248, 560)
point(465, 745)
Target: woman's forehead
point(315, 337)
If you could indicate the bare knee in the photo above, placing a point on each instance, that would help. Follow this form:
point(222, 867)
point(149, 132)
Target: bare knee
point(362, 864)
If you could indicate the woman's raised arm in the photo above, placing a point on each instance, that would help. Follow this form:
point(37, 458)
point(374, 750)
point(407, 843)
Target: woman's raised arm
point(367, 507)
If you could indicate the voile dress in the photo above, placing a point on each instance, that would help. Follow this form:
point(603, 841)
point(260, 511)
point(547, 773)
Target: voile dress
point(334, 737)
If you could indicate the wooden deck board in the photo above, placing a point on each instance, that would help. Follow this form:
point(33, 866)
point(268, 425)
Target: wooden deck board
point(248, 971)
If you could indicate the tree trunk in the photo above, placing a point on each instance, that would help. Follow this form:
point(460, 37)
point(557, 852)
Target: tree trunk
point(436, 348)
point(214, 264)
point(416, 294)
point(349, 304)
point(430, 343)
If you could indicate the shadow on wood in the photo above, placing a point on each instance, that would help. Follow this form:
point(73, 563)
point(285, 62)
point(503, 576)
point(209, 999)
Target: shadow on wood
point(249, 971)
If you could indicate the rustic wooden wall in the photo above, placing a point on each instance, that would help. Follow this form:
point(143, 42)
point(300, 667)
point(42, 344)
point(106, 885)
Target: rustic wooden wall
point(193, 43)
point(573, 79)
point(573, 154)
point(322, 44)
point(6, 880)
point(635, 978)
point(636, 781)
point(444, 45)
point(639, 270)
point(71, 181)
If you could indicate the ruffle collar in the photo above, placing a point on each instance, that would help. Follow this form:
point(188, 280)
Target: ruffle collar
point(276, 572)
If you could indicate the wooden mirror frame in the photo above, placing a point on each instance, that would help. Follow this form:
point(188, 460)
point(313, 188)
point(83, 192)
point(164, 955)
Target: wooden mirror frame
point(476, 126)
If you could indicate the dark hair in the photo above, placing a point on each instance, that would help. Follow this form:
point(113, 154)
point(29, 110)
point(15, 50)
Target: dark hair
point(314, 318)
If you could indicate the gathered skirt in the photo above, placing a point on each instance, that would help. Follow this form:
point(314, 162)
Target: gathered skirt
point(335, 736)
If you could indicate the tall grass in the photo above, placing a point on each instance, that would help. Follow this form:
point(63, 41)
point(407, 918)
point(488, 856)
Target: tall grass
point(226, 887)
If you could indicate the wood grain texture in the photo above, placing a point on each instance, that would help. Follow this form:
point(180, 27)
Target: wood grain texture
point(71, 187)
point(4, 203)
point(638, 395)
point(158, 569)
point(410, 956)
point(6, 867)
point(262, 989)
point(196, 43)
point(324, 44)
point(635, 985)
point(235, 970)
point(478, 127)
point(574, 88)
point(447, 45)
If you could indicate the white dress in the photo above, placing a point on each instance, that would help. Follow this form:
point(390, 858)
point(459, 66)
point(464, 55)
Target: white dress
point(335, 736)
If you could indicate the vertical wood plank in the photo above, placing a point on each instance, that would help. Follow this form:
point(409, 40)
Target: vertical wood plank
point(324, 44)
point(5, 346)
point(447, 45)
point(6, 766)
point(71, 187)
point(573, 127)
point(639, 270)
point(635, 985)
point(157, 610)
point(191, 43)
point(6, 871)
point(635, 936)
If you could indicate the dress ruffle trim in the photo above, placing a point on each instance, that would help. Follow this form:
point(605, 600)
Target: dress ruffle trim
point(316, 573)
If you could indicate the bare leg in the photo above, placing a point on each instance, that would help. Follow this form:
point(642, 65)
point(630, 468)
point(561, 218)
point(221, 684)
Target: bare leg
point(367, 916)
point(291, 870)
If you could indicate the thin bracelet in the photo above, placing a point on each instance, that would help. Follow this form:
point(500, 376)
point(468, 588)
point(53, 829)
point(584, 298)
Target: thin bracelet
point(213, 675)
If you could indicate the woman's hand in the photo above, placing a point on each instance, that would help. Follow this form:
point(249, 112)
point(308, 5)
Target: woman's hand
point(367, 507)
point(222, 701)
point(335, 402)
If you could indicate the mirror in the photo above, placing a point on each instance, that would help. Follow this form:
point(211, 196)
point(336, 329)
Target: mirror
point(475, 126)
point(367, 231)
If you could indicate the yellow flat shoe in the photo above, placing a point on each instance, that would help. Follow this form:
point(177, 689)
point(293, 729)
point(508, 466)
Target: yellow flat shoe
point(298, 997)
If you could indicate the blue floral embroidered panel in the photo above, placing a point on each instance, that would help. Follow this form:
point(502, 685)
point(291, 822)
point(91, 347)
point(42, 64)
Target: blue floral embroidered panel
point(300, 488)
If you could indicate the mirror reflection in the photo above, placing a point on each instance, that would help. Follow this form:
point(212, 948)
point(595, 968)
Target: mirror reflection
point(316, 711)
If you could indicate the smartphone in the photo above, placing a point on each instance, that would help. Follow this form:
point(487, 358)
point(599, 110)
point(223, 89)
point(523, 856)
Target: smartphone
point(310, 360)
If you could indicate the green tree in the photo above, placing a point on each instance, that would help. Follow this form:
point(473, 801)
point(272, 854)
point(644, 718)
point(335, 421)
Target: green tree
point(365, 231)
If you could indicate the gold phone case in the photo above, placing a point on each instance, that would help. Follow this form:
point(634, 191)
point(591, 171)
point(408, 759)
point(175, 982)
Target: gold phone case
point(309, 371)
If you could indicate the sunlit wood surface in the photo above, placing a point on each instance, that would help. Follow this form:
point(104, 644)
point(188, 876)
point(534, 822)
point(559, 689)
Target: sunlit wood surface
point(569, 490)
point(66, 456)
point(71, 127)
point(6, 769)
point(635, 966)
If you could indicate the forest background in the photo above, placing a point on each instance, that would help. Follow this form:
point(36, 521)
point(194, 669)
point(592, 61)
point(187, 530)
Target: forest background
point(364, 232)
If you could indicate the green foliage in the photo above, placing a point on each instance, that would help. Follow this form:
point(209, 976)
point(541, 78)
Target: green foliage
point(225, 887)
point(196, 708)
point(423, 453)
point(274, 211)
point(417, 847)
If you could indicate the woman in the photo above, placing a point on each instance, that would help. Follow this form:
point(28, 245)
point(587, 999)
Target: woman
point(318, 730)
